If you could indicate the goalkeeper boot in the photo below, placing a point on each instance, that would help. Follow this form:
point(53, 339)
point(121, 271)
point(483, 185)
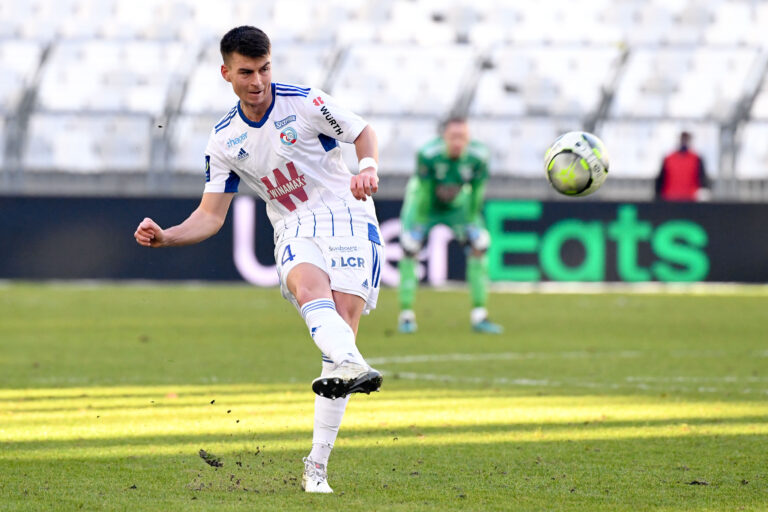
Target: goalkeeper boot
point(346, 378)
point(315, 477)
point(487, 327)
point(480, 323)
point(406, 322)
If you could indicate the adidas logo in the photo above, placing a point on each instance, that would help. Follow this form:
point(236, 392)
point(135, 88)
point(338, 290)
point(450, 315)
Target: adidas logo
point(243, 154)
point(365, 284)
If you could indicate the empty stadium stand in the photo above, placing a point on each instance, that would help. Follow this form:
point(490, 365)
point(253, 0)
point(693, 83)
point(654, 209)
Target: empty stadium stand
point(118, 97)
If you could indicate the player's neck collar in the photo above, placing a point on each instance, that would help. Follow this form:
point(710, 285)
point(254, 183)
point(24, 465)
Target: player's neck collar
point(260, 122)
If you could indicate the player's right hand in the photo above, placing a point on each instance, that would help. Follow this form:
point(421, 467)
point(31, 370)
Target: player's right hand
point(149, 234)
point(364, 184)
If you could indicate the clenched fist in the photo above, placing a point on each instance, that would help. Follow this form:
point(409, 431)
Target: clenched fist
point(149, 234)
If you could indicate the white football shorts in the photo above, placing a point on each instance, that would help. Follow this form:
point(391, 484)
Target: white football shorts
point(353, 264)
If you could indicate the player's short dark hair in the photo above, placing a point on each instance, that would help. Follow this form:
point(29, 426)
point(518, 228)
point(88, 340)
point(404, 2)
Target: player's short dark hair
point(450, 119)
point(247, 41)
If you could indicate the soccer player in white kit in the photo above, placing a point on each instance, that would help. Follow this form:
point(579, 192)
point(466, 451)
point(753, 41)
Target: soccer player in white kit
point(281, 140)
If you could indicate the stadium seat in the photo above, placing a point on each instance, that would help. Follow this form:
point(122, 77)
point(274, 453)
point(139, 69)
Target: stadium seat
point(403, 79)
point(189, 137)
point(744, 15)
point(528, 23)
point(80, 143)
point(414, 22)
point(544, 80)
point(518, 145)
point(403, 64)
point(110, 76)
point(36, 20)
point(666, 82)
point(2, 149)
point(18, 63)
point(752, 156)
point(760, 106)
point(637, 147)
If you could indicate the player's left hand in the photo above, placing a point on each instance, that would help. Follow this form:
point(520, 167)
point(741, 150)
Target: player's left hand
point(364, 184)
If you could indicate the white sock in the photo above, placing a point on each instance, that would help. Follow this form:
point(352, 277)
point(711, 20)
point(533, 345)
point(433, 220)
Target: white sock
point(477, 315)
point(332, 335)
point(328, 415)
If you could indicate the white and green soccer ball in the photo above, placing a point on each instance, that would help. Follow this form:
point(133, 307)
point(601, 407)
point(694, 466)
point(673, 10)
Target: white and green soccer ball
point(576, 164)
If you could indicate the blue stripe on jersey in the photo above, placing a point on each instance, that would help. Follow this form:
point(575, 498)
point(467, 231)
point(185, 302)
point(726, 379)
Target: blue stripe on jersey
point(351, 227)
point(333, 225)
point(283, 91)
point(226, 121)
point(207, 168)
point(373, 234)
point(290, 86)
point(314, 227)
point(232, 183)
point(327, 359)
point(261, 121)
point(227, 117)
point(327, 142)
point(298, 225)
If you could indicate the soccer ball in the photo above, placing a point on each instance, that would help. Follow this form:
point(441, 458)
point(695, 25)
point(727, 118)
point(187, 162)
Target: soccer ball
point(576, 164)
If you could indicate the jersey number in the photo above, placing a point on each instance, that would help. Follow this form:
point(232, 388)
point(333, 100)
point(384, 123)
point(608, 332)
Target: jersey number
point(287, 255)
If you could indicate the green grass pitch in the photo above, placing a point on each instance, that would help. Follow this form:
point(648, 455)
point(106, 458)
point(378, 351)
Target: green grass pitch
point(587, 402)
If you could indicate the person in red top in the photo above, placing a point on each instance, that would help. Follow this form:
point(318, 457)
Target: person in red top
point(682, 176)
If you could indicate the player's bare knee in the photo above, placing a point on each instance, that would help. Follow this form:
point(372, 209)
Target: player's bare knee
point(307, 282)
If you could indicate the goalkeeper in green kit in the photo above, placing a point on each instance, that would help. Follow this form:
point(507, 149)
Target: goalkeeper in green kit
point(448, 188)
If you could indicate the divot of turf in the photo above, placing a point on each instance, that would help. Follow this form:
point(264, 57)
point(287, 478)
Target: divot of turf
point(210, 459)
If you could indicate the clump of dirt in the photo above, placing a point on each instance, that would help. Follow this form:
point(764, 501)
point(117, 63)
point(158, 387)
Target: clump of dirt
point(211, 459)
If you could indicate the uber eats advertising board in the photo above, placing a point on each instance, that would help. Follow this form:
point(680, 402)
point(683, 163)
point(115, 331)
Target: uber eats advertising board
point(575, 240)
point(533, 241)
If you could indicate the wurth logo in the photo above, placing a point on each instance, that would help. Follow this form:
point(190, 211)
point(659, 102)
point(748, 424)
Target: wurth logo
point(286, 187)
point(331, 121)
point(318, 101)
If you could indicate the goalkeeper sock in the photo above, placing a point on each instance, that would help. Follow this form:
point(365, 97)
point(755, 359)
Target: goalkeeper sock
point(333, 336)
point(408, 282)
point(477, 275)
point(328, 416)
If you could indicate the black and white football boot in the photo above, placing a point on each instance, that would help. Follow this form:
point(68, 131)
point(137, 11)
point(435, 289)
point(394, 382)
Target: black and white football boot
point(346, 378)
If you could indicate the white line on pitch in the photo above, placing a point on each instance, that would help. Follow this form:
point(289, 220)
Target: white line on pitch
point(474, 380)
point(723, 379)
point(436, 358)
point(570, 383)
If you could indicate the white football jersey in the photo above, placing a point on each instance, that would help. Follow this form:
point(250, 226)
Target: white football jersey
point(292, 159)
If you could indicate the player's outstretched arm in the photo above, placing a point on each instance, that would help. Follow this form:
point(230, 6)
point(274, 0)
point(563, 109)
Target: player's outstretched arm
point(367, 182)
point(203, 223)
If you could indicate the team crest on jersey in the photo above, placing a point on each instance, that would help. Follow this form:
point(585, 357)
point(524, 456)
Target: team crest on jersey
point(279, 124)
point(288, 136)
